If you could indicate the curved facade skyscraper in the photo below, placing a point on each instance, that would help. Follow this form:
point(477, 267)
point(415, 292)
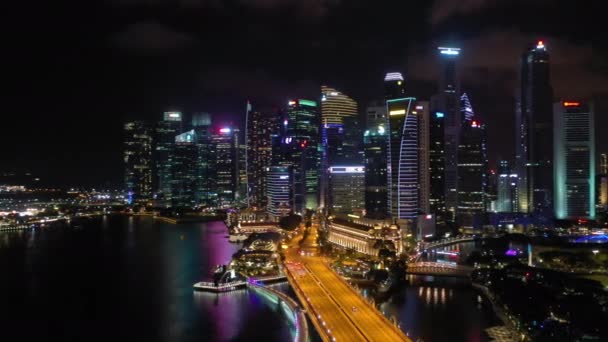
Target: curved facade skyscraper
point(335, 106)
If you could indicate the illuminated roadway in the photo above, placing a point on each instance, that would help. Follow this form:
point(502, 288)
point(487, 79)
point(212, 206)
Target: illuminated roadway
point(338, 312)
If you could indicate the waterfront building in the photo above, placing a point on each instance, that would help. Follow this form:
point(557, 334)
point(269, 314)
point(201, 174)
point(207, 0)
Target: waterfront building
point(574, 167)
point(364, 235)
point(138, 161)
point(166, 131)
point(302, 140)
point(534, 135)
point(375, 141)
point(402, 163)
point(184, 170)
point(446, 103)
point(507, 189)
point(279, 191)
point(347, 189)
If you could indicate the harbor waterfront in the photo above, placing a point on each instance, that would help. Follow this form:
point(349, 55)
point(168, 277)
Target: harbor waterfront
point(122, 276)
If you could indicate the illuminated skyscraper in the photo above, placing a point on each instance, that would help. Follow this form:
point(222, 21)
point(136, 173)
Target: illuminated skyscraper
point(602, 182)
point(421, 110)
point(302, 139)
point(507, 189)
point(184, 170)
point(338, 126)
point(279, 191)
point(225, 142)
point(534, 135)
point(446, 102)
point(138, 161)
point(205, 193)
point(472, 166)
point(574, 167)
point(375, 142)
point(604, 164)
point(166, 131)
point(376, 115)
point(437, 164)
point(259, 155)
point(347, 189)
point(472, 176)
point(402, 163)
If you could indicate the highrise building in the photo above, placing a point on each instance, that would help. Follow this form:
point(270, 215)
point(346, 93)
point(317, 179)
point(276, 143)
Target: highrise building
point(437, 165)
point(574, 166)
point(602, 182)
point(421, 110)
point(534, 135)
point(138, 161)
point(166, 131)
point(279, 191)
point(375, 115)
point(347, 189)
point(259, 156)
point(184, 170)
point(472, 166)
point(402, 163)
point(375, 141)
point(337, 140)
point(604, 164)
point(446, 102)
point(507, 189)
point(226, 182)
point(302, 138)
point(205, 193)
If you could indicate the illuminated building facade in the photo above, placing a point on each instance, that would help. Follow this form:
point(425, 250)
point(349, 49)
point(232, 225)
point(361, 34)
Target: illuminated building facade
point(437, 165)
point(574, 167)
point(375, 115)
point(602, 182)
point(346, 189)
point(402, 163)
point(534, 135)
point(507, 189)
point(184, 170)
point(375, 142)
point(205, 193)
point(279, 191)
point(259, 155)
point(365, 235)
point(421, 110)
point(446, 102)
point(138, 161)
point(338, 130)
point(226, 182)
point(302, 140)
point(472, 166)
point(166, 131)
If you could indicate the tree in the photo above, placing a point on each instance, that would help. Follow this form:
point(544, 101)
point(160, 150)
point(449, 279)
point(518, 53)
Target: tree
point(290, 222)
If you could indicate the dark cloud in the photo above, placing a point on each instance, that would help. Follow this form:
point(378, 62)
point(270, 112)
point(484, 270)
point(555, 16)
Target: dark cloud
point(444, 9)
point(151, 36)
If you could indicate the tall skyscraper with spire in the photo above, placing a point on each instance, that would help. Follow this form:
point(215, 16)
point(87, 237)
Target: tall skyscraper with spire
point(444, 165)
point(402, 163)
point(534, 132)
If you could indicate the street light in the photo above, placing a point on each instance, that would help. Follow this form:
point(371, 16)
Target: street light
point(595, 251)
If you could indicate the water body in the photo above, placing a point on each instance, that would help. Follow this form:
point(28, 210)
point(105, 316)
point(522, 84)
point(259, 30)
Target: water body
point(125, 277)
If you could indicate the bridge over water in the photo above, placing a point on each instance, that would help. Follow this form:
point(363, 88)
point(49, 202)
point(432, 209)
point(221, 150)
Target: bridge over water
point(439, 269)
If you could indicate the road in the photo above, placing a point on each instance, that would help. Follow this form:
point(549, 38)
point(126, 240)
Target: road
point(336, 309)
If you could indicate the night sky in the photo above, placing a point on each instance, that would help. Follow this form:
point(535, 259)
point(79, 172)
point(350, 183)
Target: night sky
point(76, 70)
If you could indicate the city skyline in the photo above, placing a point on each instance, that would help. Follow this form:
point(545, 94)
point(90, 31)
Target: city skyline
point(132, 61)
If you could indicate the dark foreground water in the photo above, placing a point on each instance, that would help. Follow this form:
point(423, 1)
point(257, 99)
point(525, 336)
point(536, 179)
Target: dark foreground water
point(125, 278)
